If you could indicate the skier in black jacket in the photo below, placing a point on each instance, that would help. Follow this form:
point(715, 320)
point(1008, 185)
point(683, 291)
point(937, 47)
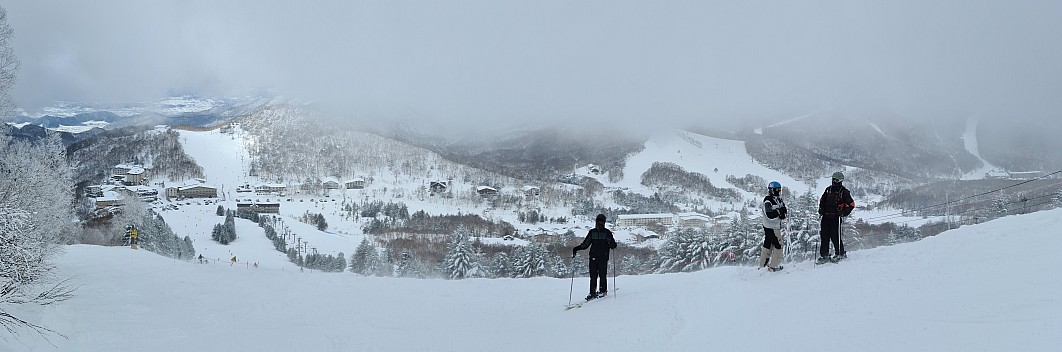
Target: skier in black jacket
point(836, 204)
point(600, 242)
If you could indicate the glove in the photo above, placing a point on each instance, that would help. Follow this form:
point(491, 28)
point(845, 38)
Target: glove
point(574, 250)
point(782, 212)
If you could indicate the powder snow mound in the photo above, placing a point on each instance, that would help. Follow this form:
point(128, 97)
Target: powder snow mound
point(965, 289)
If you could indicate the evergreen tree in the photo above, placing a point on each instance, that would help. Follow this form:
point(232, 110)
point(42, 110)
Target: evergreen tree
point(904, 234)
point(687, 250)
point(365, 261)
point(221, 210)
point(321, 223)
point(339, 263)
point(156, 236)
point(802, 228)
point(501, 265)
point(530, 260)
point(461, 260)
point(226, 232)
point(1000, 204)
point(406, 267)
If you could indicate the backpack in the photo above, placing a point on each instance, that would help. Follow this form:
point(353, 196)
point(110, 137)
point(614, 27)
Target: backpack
point(830, 203)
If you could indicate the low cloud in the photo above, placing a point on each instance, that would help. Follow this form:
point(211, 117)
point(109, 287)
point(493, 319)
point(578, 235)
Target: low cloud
point(492, 62)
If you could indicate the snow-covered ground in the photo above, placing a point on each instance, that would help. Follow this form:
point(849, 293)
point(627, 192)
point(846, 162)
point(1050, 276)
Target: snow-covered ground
point(969, 140)
point(715, 158)
point(963, 290)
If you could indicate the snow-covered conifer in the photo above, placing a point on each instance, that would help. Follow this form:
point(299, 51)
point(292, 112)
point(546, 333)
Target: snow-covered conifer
point(687, 250)
point(461, 261)
point(530, 260)
point(904, 233)
point(365, 261)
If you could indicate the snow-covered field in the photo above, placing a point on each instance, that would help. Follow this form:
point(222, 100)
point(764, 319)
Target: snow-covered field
point(963, 290)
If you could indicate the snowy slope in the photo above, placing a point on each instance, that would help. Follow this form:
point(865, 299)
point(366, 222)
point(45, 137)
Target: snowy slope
point(957, 291)
point(702, 154)
point(969, 139)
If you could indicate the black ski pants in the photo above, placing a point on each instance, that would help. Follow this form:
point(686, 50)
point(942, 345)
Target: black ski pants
point(770, 239)
point(598, 269)
point(831, 232)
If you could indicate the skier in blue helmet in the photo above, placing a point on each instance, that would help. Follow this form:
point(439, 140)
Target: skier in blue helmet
point(774, 211)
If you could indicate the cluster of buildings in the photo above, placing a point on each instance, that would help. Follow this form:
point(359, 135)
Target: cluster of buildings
point(669, 220)
point(127, 181)
point(280, 189)
point(439, 187)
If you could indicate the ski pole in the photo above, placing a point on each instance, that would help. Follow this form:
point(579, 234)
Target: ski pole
point(572, 286)
point(615, 273)
point(840, 231)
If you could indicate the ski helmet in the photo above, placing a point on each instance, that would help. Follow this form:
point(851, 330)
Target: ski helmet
point(839, 176)
point(773, 185)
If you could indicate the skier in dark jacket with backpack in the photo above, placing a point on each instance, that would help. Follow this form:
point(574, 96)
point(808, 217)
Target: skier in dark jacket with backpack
point(836, 204)
point(600, 242)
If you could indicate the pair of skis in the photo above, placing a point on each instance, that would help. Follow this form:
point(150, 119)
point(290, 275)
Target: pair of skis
point(580, 304)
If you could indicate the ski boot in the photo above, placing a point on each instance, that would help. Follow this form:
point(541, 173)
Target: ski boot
point(822, 260)
point(779, 268)
point(602, 294)
point(838, 257)
point(591, 296)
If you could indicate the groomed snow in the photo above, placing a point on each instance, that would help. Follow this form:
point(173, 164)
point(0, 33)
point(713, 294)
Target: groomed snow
point(969, 289)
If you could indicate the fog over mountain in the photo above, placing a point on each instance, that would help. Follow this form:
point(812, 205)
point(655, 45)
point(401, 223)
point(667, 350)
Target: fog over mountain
point(489, 63)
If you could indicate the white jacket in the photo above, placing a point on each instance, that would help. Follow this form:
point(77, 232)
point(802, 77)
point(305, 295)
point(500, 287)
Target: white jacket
point(771, 204)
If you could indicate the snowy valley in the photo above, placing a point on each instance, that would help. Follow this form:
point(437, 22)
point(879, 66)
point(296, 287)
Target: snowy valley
point(296, 276)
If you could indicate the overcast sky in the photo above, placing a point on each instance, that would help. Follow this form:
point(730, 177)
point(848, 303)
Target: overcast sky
point(556, 60)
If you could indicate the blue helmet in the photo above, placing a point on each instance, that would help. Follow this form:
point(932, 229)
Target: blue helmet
point(774, 185)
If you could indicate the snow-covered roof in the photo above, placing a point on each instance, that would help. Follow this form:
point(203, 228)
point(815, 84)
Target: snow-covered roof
point(195, 186)
point(258, 204)
point(485, 188)
point(135, 170)
point(694, 216)
point(110, 196)
point(139, 188)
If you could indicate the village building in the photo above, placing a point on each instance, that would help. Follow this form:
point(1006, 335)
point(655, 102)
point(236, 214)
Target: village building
point(109, 198)
point(643, 220)
point(192, 189)
point(260, 208)
point(270, 188)
point(436, 187)
point(94, 191)
point(197, 191)
point(129, 174)
point(694, 220)
point(356, 183)
point(485, 191)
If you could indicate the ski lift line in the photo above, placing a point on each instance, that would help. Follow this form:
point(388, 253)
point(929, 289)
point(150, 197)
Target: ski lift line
point(902, 213)
point(990, 206)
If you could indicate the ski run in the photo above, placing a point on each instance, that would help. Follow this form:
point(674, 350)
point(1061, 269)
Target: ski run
point(987, 287)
